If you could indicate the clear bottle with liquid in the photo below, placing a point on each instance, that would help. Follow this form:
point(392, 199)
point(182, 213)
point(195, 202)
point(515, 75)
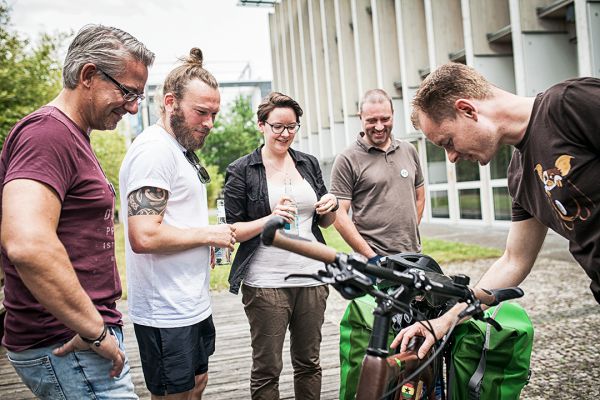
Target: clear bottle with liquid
point(288, 190)
point(222, 254)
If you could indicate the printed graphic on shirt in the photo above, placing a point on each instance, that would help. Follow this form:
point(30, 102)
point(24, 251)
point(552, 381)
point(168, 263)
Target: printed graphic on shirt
point(408, 391)
point(567, 200)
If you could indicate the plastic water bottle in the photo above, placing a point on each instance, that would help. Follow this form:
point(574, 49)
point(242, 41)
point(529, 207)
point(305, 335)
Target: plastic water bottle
point(291, 228)
point(222, 254)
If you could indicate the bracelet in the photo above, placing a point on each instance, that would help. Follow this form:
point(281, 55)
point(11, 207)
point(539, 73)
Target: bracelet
point(337, 205)
point(98, 341)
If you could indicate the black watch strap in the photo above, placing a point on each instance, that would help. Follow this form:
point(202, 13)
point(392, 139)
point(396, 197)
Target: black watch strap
point(337, 205)
point(98, 341)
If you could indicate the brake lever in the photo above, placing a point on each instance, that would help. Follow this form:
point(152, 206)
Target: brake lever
point(318, 277)
point(493, 323)
point(474, 310)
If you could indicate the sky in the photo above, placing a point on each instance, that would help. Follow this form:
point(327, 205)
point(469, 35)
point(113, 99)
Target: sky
point(230, 36)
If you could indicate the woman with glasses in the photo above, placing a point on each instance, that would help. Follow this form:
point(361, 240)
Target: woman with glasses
point(277, 180)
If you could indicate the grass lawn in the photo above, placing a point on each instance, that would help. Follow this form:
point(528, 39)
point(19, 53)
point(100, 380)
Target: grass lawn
point(442, 251)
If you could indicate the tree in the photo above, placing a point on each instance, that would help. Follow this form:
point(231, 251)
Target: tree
point(234, 135)
point(30, 76)
point(214, 187)
point(110, 149)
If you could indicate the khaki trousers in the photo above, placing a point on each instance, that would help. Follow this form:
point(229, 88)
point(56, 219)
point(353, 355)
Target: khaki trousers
point(270, 312)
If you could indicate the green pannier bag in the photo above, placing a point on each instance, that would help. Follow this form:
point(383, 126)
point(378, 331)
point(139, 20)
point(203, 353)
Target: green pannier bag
point(488, 364)
point(355, 331)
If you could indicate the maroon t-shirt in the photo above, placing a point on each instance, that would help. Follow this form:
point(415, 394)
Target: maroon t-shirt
point(48, 147)
point(554, 174)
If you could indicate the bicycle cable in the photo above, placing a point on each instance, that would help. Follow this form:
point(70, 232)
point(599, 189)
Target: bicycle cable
point(420, 369)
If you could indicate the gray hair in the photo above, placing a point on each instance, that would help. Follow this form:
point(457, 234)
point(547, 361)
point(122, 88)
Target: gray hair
point(107, 48)
point(375, 96)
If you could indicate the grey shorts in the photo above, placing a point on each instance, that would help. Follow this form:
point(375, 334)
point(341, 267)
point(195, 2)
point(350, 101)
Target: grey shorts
point(172, 357)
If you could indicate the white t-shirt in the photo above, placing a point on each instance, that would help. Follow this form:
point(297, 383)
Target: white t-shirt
point(270, 265)
point(166, 290)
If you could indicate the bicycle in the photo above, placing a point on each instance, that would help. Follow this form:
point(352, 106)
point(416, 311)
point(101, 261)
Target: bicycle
point(347, 273)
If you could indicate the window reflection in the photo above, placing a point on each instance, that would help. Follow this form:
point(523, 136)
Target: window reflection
point(439, 204)
point(467, 171)
point(436, 163)
point(499, 163)
point(469, 201)
point(502, 204)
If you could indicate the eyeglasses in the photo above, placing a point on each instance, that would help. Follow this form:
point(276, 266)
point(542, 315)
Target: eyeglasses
point(200, 170)
point(279, 128)
point(128, 95)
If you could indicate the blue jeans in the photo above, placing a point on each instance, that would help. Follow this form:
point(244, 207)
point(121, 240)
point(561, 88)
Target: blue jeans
point(78, 375)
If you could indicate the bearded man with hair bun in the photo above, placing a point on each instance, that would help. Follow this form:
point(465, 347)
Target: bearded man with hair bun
point(169, 239)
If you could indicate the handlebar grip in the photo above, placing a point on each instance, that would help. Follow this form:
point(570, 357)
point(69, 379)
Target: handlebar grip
point(270, 228)
point(386, 273)
point(496, 296)
point(315, 250)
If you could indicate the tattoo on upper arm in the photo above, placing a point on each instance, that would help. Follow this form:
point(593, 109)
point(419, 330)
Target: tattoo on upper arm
point(147, 201)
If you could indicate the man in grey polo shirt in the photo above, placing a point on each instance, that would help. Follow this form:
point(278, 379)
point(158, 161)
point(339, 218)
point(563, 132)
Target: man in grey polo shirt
point(380, 178)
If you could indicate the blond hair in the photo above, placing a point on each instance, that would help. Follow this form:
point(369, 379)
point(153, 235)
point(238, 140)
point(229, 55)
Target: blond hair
point(190, 69)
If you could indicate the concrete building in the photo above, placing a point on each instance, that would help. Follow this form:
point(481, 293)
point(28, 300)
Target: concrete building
point(326, 53)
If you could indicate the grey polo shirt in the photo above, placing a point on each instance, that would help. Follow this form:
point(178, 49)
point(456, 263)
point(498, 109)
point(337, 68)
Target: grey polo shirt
point(382, 188)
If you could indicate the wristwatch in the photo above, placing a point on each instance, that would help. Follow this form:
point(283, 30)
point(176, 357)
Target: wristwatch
point(98, 341)
point(337, 205)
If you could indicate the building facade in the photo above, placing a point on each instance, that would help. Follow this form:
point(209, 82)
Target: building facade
point(327, 53)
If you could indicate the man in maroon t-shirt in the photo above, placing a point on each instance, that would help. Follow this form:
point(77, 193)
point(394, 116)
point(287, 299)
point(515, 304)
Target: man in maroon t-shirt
point(61, 279)
point(552, 176)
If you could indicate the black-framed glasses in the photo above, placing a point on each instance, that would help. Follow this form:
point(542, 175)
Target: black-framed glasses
point(128, 95)
point(279, 128)
point(200, 170)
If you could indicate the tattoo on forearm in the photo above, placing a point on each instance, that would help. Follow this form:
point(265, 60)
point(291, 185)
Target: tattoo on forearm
point(147, 201)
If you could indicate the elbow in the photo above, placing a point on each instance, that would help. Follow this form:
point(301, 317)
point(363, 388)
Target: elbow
point(141, 244)
point(21, 252)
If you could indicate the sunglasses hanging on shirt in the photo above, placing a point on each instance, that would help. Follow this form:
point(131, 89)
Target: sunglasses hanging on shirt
point(200, 170)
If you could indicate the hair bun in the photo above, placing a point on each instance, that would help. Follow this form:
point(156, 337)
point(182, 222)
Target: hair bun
point(196, 56)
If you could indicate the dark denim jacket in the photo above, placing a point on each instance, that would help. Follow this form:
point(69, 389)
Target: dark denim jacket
point(247, 199)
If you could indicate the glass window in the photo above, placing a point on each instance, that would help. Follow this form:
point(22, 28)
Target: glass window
point(499, 163)
point(436, 163)
point(502, 203)
point(439, 204)
point(415, 142)
point(469, 201)
point(467, 171)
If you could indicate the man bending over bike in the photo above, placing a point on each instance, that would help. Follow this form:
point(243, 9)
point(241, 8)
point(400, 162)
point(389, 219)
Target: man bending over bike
point(556, 153)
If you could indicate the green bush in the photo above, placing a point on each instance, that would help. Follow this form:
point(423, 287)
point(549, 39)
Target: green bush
point(235, 134)
point(30, 75)
point(215, 185)
point(110, 148)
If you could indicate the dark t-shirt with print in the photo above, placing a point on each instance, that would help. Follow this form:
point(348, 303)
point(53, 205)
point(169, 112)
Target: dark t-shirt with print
point(554, 174)
point(48, 147)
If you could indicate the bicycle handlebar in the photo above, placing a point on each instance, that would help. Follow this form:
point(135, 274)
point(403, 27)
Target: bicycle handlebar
point(315, 250)
point(412, 278)
point(346, 273)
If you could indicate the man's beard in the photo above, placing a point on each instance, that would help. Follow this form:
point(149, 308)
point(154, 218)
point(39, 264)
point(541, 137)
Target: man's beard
point(387, 135)
point(183, 132)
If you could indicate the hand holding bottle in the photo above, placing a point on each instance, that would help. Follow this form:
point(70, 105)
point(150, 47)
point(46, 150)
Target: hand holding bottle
point(222, 254)
point(286, 208)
